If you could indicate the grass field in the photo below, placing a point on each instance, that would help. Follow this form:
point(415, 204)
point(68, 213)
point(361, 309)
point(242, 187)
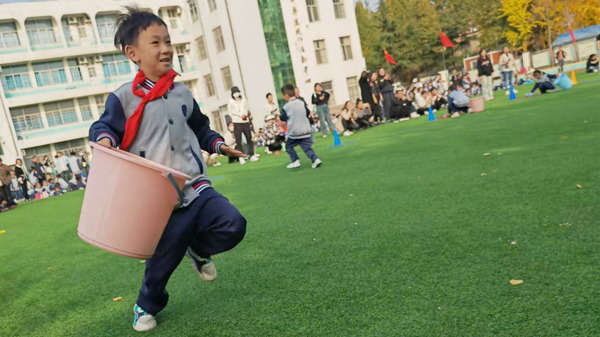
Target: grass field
point(398, 234)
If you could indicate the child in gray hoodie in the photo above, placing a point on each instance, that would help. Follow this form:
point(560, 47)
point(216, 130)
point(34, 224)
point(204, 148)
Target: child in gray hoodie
point(296, 114)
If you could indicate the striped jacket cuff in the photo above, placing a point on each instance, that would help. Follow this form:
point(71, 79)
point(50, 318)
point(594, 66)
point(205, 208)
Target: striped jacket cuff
point(102, 135)
point(217, 145)
point(201, 185)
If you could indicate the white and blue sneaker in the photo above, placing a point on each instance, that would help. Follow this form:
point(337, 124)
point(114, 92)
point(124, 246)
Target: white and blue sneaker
point(204, 268)
point(143, 321)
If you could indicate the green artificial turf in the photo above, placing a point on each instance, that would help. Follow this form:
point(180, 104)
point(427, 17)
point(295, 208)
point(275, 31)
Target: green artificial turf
point(397, 234)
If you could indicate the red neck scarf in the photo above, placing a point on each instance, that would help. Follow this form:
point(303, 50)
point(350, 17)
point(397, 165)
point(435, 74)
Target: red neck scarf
point(160, 88)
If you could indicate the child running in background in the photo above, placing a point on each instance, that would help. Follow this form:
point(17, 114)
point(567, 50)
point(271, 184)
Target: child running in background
point(543, 81)
point(296, 113)
point(172, 133)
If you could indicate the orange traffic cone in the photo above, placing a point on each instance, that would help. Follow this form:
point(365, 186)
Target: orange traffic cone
point(573, 78)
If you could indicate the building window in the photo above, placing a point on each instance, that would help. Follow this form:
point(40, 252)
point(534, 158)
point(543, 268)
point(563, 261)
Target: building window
point(210, 87)
point(313, 10)
point(193, 9)
point(346, 47)
point(59, 113)
point(49, 73)
point(218, 34)
point(106, 27)
point(212, 5)
point(75, 70)
point(8, 35)
point(201, 48)
point(338, 8)
point(39, 151)
point(26, 118)
point(192, 86)
point(67, 147)
point(227, 80)
point(85, 108)
point(173, 16)
point(100, 102)
point(40, 32)
point(328, 87)
point(115, 65)
point(15, 77)
point(320, 51)
point(353, 91)
point(76, 28)
point(182, 58)
point(92, 71)
point(216, 117)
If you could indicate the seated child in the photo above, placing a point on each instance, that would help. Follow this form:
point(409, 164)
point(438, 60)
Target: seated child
point(543, 81)
point(273, 135)
point(56, 191)
point(4, 206)
point(295, 113)
point(363, 113)
point(39, 192)
point(457, 100)
point(259, 138)
point(172, 133)
point(438, 101)
point(475, 89)
point(15, 188)
point(401, 106)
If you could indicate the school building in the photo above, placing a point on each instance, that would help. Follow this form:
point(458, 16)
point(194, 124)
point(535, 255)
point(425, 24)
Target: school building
point(58, 62)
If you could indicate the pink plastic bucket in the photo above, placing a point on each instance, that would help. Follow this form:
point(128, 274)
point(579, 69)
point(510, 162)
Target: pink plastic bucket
point(477, 104)
point(128, 202)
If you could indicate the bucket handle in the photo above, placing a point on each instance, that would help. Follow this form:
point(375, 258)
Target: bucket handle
point(179, 191)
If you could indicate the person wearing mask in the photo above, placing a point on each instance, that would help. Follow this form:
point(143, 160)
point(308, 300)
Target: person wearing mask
point(240, 115)
point(508, 66)
point(485, 68)
point(5, 180)
point(21, 174)
point(320, 99)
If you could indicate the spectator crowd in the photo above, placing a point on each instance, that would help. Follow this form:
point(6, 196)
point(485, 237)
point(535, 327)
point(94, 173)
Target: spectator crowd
point(42, 179)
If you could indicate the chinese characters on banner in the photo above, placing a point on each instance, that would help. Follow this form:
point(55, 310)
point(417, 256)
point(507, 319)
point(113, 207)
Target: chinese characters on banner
point(300, 41)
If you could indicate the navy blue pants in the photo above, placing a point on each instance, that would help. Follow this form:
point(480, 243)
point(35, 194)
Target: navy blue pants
point(305, 144)
point(209, 225)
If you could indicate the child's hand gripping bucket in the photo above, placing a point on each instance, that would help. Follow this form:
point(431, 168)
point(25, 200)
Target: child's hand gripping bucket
point(128, 202)
point(564, 82)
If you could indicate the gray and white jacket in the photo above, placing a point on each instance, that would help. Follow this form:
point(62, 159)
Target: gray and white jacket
point(172, 132)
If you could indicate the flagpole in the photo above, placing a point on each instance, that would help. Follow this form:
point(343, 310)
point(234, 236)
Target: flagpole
point(444, 57)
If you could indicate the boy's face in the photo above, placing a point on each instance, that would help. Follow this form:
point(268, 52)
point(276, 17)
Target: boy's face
point(152, 51)
point(537, 76)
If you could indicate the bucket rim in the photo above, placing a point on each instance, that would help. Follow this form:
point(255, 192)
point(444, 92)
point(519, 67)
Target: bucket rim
point(132, 158)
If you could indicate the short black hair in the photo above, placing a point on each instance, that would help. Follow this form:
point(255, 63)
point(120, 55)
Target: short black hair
point(73, 153)
point(289, 90)
point(537, 72)
point(358, 100)
point(131, 23)
point(269, 94)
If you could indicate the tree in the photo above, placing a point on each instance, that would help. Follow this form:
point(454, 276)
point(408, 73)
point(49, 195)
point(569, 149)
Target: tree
point(521, 21)
point(369, 35)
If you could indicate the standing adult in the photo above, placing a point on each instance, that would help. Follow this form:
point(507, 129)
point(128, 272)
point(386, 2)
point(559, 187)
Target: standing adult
point(5, 179)
point(485, 68)
point(21, 174)
point(239, 112)
point(85, 163)
point(48, 166)
point(321, 100)
point(561, 55)
point(376, 99)
point(365, 87)
point(508, 66)
point(387, 92)
point(271, 107)
point(41, 171)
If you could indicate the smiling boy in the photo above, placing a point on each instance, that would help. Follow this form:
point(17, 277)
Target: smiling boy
point(172, 132)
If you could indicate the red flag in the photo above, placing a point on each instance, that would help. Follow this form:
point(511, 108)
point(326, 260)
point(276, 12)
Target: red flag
point(572, 35)
point(389, 58)
point(445, 40)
